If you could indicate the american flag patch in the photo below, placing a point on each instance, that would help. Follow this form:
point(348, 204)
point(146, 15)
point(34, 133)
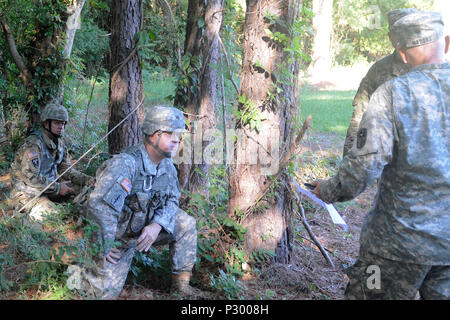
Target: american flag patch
point(32, 155)
point(126, 184)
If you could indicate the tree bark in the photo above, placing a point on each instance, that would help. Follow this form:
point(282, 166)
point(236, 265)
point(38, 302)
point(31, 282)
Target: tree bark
point(72, 24)
point(203, 101)
point(268, 225)
point(126, 88)
point(199, 182)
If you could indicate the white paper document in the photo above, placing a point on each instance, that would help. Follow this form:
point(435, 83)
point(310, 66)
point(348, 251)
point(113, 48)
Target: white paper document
point(337, 219)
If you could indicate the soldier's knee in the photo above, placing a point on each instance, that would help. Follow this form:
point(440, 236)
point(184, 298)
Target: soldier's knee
point(186, 221)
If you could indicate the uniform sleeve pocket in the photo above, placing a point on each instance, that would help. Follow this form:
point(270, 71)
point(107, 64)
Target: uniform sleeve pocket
point(115, 197)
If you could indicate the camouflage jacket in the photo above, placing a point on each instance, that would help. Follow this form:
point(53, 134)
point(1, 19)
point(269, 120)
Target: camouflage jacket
point(404, 141)
point(38, 162)
point(381, 71)
point(132, 192)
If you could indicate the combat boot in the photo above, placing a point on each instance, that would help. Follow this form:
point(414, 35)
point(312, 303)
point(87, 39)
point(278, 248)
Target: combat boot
point(180, 285)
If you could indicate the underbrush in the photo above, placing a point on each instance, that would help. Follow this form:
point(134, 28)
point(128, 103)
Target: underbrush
point(34, 256)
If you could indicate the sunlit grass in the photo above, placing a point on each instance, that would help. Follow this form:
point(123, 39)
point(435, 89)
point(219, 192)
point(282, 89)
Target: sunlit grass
point(330, 110)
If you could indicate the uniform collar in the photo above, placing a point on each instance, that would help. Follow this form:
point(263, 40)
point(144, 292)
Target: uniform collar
point(399, 67)
point(49, 142)
point(442, 65)
point(149, 166)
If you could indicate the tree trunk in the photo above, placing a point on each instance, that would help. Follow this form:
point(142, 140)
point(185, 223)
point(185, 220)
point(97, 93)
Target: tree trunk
point(268, 221)
point(125, 88)
point(199, 172)
point(188, 98)
point(322, 25)
point(72, 24)
point(194, 175)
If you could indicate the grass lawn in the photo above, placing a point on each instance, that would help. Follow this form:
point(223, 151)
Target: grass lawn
point(330, 110)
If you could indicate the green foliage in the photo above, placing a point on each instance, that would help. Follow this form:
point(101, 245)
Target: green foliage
point(38, 254)
point(90, 46)
point(39, 42)
point(154, 264)
point(227, 285)
point(162, 35)
point(262, 255)
point(248, 114)
point(187, 81)
point(290, 37)
point(220, 238)
point(360, 28)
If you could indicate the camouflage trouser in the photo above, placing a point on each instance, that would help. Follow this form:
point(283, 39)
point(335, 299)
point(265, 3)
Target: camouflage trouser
point(358, 112)
point(38, 208)
point(375, 278)
point(41, 206)
point(108, 282)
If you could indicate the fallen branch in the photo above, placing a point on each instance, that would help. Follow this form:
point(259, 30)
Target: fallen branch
point(310, 232)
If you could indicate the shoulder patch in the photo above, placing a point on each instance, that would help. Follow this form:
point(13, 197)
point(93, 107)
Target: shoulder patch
point(361, 138)
point(32, 155)
point(126, 184)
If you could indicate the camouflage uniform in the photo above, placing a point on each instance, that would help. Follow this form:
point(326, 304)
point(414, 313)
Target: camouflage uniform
point(38, 161)
point(131, 193)
point(403, 141)
point(381, 71)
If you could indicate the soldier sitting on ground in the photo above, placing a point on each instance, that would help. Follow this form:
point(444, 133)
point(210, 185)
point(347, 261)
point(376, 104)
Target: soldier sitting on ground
point(135, 205)
point(39, 161)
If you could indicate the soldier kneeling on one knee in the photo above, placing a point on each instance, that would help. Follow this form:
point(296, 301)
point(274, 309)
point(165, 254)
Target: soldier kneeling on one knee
point(135, 204)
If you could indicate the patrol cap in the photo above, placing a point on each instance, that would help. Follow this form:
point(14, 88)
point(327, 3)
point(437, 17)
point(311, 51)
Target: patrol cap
point(419, 28)
point(164, 118)
point(396, 14)
point(54, 111)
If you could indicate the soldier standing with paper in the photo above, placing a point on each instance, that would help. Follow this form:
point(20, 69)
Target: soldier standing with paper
point(403, 140)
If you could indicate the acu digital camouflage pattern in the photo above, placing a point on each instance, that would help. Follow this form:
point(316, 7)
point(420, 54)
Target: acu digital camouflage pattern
point(418, 28)
point(131, 193)
point(397, 280)
point(383, 70)
point(37, 163)
point(407, 146)
point(54, 111)
point(164, 118)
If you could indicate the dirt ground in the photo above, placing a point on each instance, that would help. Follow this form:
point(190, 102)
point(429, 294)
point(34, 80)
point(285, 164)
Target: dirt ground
point(309, 275)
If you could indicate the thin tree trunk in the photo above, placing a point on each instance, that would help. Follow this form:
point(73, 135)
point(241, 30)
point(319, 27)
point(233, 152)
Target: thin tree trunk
point(201, 104)
point(72, 24)
point(199, 172)
point(322, 25)
point(126, 88)
point(189, 98)
point(268, 225)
